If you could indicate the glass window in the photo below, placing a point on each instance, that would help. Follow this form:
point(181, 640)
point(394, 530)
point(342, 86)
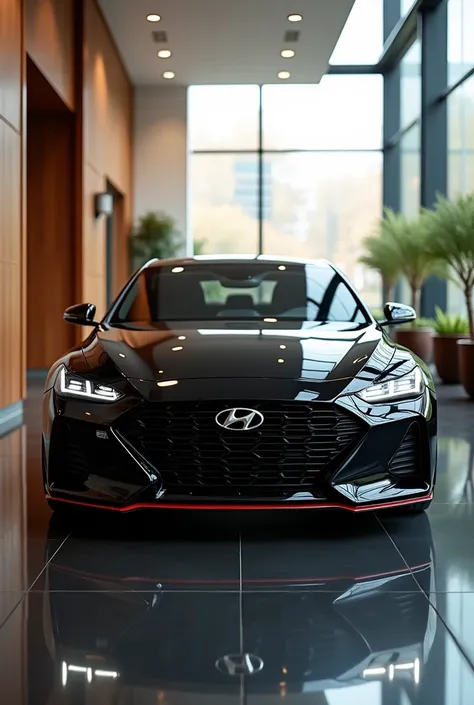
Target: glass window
point(323, 205)
point(223, 203)
point(341, 112)
point(223, 117)
point(460, 42)
point(410, 84)
point(244, 290)
point(361, 40)
point(410, 158)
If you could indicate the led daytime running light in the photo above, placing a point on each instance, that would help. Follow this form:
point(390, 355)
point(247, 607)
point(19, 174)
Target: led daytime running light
point(407, 386)
point(76, 386)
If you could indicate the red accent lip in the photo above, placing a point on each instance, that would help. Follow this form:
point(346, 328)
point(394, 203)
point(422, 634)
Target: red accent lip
point(248, 507)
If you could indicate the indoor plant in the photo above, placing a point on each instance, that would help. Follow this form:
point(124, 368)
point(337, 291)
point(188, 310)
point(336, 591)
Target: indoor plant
point(450, 237)
point(382, 256)
point(154, 236)
point(415, 263)
point(448, 330)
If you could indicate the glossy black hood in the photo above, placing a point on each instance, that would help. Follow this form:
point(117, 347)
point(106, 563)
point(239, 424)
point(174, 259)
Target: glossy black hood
point(313, 352)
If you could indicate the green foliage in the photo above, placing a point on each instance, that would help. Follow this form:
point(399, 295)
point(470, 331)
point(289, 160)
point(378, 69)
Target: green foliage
point(399, 249)
point(378, 314)
point(446, 324)
point(154, 236)
point(420, 323)
point(199, 246)
point(410, 239)
point(450, 237)
point(382, 256)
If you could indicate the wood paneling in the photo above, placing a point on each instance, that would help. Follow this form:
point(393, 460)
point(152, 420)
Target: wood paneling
point(107, 151)
point(50, 43)
point(10, 61)
point(10, 266)
point(50, 234)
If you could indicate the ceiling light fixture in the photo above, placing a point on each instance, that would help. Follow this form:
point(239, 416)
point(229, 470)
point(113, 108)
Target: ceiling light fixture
point(295, 17)
point(284, 75)
point(164, 54)
point(287, 53)
point(169, 75)
point(153, 18)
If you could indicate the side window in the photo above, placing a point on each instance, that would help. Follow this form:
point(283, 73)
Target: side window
point(344, 306)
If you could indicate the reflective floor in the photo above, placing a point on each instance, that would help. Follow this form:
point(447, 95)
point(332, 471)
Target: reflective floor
point(321, 609)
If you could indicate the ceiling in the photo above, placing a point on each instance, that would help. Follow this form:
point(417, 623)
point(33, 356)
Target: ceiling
point(225, 41)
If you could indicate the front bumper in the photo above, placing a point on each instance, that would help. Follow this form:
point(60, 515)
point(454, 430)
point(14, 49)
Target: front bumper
point(91, 458)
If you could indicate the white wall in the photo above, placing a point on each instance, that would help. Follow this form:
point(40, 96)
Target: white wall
point(160, 152)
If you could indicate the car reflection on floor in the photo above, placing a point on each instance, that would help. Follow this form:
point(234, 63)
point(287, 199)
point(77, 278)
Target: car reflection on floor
point(302, 630)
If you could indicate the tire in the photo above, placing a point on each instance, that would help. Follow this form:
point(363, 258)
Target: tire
point(417, 508)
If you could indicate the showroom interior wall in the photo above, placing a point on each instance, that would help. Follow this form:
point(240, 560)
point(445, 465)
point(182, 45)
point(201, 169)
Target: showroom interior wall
point(71, 46)
point(160, 152)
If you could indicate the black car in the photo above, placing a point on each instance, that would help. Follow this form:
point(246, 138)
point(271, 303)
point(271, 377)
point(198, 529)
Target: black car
point(239, 383)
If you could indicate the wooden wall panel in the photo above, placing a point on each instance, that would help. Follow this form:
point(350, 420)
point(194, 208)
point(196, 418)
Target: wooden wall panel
point(50, 254)
point(11, 372)
point(108, 104)
point(50, 43)
point(10, 61)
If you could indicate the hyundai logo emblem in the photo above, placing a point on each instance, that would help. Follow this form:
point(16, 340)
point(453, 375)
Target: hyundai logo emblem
point(239, 664)
point(239, 419)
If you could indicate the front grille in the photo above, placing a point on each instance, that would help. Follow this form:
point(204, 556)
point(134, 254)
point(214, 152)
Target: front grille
point(296, 442)
point(406, 460)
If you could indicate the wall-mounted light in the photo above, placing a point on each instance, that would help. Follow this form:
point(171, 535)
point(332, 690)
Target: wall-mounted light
point(103, 204)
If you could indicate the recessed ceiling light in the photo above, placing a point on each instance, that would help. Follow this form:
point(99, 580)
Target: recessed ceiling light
point(169, 75)
point(296, 17)
point(287, 53)
point(164, 54)
point(284, 75)
point(153, 18)
point(168, 383)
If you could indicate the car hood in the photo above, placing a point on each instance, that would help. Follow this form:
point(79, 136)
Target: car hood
point(313, 352)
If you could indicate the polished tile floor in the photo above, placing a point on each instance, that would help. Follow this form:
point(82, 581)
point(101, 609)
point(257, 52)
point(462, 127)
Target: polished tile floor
point(320, 610)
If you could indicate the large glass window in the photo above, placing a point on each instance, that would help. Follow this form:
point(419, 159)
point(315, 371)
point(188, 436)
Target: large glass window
point(460, 42)
point(223, 117)
point(410, 163)
point(410, 85)
point(323, 205)
point(342, 112)
point(361, 40)
point(313, 190)
point(224, 202)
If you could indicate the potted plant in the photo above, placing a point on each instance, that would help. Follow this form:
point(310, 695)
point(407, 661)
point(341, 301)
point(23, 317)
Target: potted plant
point(448, 330)
point(383, 257)
point(154, 236)
point(412, 260)
point(450, 237)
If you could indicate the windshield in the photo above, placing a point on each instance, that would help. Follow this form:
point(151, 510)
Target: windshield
point(238, 291)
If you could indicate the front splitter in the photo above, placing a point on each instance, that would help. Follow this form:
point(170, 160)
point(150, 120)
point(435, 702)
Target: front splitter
point(270, 506)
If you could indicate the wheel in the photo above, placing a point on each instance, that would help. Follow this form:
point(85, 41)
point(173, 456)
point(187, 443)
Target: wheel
point(417, 508)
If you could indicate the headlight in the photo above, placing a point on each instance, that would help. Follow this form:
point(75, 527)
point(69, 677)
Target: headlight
point(410, 385)
point(71, 385)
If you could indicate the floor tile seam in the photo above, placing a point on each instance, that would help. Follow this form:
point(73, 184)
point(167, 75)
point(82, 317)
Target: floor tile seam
point(460, 647)
point(43, 570)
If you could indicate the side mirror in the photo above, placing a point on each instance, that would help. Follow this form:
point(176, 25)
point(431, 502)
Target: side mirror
point(396, 314)
point(81, 315)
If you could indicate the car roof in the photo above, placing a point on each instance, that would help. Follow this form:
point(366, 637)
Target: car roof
point(235, 259)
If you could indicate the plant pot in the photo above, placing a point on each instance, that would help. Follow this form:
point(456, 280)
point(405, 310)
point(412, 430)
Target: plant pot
point(446, 357)
point(466, 365)
point(418, 340)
